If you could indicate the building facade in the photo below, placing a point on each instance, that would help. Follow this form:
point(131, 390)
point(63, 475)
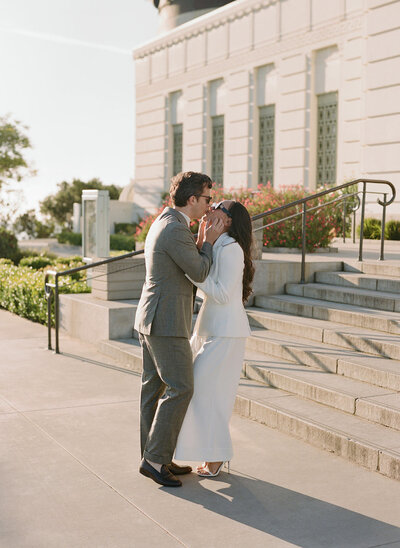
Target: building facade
point(287, 91)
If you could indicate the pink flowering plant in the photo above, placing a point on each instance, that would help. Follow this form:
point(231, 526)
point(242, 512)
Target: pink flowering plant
point(322, 224)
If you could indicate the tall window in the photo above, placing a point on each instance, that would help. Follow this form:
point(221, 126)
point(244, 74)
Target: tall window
point(327, 137)
point(175, 134)
point(176, 148)
point(217, 159)
point(266, 144)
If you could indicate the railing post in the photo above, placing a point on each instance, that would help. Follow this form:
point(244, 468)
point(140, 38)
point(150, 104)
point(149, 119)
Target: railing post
point(49, 296)
point(56, 314)
point(382, 254)
point(344, 220)
point(354, 227)
point(303, 244)
point(360, 249)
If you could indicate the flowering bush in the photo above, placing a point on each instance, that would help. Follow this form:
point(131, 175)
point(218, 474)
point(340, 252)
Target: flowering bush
point(322, 224)
point(22, 287)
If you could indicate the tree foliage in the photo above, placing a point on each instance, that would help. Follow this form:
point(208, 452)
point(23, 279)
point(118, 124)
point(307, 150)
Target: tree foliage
point(13, 144)
point(59, 206)
point(30, 224)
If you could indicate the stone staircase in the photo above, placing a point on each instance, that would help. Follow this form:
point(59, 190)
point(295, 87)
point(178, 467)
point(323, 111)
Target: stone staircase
point(323, 364)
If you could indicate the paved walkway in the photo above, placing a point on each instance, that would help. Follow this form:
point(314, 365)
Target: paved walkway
point(69, 458)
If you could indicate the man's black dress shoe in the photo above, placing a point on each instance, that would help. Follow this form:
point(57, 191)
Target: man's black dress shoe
point(179, 470)
point(164, 477)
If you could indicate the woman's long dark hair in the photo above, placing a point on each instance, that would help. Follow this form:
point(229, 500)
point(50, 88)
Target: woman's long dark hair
point(241, 231)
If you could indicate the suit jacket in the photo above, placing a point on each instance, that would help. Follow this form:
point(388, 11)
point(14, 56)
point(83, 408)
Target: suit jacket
point(166, 303)
point(222, 313)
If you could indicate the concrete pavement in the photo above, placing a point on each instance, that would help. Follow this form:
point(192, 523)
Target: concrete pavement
point(69, 457)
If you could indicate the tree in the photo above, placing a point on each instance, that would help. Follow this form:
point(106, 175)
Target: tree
point(13, 144)
point(30, 224)
point(59, 206)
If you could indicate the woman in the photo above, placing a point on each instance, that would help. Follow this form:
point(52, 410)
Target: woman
point(218, 342)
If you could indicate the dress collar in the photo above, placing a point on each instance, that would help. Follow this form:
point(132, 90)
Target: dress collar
point(223, 240)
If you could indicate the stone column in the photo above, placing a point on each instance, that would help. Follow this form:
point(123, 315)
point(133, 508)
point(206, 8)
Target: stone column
point(258, 239)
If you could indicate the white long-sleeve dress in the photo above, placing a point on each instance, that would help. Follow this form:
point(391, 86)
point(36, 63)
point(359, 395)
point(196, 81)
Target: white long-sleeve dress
point(218, 345)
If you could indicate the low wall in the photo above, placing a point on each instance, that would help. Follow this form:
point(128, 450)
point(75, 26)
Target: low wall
point(271, 276)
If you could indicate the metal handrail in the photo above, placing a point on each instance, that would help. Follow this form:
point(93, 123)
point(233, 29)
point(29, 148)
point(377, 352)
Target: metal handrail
point(303, 213)
point(51, 288)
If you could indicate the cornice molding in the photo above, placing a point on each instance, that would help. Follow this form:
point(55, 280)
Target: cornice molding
point(266, 51)
point(204, 23)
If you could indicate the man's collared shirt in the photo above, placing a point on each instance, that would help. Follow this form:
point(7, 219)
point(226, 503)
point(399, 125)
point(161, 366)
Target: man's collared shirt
point(187, 219)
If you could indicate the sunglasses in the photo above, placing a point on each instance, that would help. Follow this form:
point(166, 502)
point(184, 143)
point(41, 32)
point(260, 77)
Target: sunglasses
point(222, 208)
point(208, 198)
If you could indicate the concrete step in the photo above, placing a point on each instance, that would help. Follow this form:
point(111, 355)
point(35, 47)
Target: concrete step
point(359, 297)
point(371, 402)
point(86, 317)
point(389, 284)
point(376, 404)
point(126, 352)
point(356, 316)
point(380, 268)
point(308, 326)
point(348, 362)
point(355, 338)
point(359, 440)
point(371, 445)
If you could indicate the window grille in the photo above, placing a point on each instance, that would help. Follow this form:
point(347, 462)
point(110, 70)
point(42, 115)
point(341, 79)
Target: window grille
point(177, 149)
point(327, 137)
point(266, 144)
point(217, 159)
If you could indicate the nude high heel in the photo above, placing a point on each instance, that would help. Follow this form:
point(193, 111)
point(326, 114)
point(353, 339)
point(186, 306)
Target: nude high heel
point(208, 474)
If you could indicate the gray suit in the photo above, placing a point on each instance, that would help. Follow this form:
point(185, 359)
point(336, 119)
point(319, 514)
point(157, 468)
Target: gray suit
point(163, 320)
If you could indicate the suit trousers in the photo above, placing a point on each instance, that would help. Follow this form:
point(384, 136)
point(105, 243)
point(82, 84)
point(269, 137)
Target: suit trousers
point(167, 388)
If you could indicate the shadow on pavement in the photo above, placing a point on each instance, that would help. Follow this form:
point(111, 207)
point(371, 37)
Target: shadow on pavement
point(286, 514)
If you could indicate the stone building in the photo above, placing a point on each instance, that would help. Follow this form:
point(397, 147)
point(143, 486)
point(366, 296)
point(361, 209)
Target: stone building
point(288, 91)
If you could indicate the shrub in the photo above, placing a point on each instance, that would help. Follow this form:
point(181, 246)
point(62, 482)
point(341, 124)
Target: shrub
point(392, 230)
point(35, 262)
point(120, 241)
point(9, 246)
point(372, 228)
point(117, 241)
point(68, 237)
point(322, 225)
point(128, 229)
point(22, 290)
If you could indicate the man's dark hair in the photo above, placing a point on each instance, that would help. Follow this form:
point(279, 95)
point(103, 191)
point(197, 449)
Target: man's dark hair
point(186, 184)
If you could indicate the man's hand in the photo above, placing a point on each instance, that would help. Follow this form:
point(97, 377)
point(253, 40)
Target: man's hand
point(213, 230)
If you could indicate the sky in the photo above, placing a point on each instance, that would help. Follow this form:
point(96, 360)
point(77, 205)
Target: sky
point(67, 72)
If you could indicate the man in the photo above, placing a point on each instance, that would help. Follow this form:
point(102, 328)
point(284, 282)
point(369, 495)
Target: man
point(164, 320)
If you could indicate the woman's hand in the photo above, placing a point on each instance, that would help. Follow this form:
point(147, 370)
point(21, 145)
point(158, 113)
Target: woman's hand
point(201, 232)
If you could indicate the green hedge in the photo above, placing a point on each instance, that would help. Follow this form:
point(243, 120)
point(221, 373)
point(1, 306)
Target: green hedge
point(117, 241)
point(128, 229)
point(36, 262)
point(68, 237)
point(120, 241)
point(373, 227)
point(392, 230)
point(22, 287)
